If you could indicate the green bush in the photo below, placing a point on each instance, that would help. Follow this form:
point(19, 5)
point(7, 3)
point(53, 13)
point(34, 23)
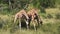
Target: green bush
point(57, 16)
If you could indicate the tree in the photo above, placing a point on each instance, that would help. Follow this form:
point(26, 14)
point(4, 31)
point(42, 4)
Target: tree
point(47, 3)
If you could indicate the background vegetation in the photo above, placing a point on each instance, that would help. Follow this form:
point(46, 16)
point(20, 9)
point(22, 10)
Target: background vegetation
point(49, 10)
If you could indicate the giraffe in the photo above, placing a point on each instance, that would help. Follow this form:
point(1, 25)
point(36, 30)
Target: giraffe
point(33, 15)
point(21, 15)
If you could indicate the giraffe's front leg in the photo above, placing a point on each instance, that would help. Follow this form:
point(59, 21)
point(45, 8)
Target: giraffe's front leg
point(27, 24)
point(20, 24)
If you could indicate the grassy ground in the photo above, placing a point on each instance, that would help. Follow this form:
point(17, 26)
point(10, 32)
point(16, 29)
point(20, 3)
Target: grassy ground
point(51, 24)
point(44, 29)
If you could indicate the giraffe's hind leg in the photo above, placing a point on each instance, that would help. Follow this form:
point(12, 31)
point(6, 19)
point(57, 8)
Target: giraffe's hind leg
point(34, 24)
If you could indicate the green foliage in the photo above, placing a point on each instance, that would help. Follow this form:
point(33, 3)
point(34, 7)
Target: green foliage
point(20, 4)
point(47, 3)
point(42, 10)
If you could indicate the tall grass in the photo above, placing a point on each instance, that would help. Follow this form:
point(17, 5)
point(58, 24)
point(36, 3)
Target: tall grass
point(8, 27)
point(44, 29)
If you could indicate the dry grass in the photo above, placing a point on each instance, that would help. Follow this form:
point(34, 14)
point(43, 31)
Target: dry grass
point(52, 10)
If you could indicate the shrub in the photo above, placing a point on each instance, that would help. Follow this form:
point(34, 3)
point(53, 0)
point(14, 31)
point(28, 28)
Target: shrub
point(57, 16)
